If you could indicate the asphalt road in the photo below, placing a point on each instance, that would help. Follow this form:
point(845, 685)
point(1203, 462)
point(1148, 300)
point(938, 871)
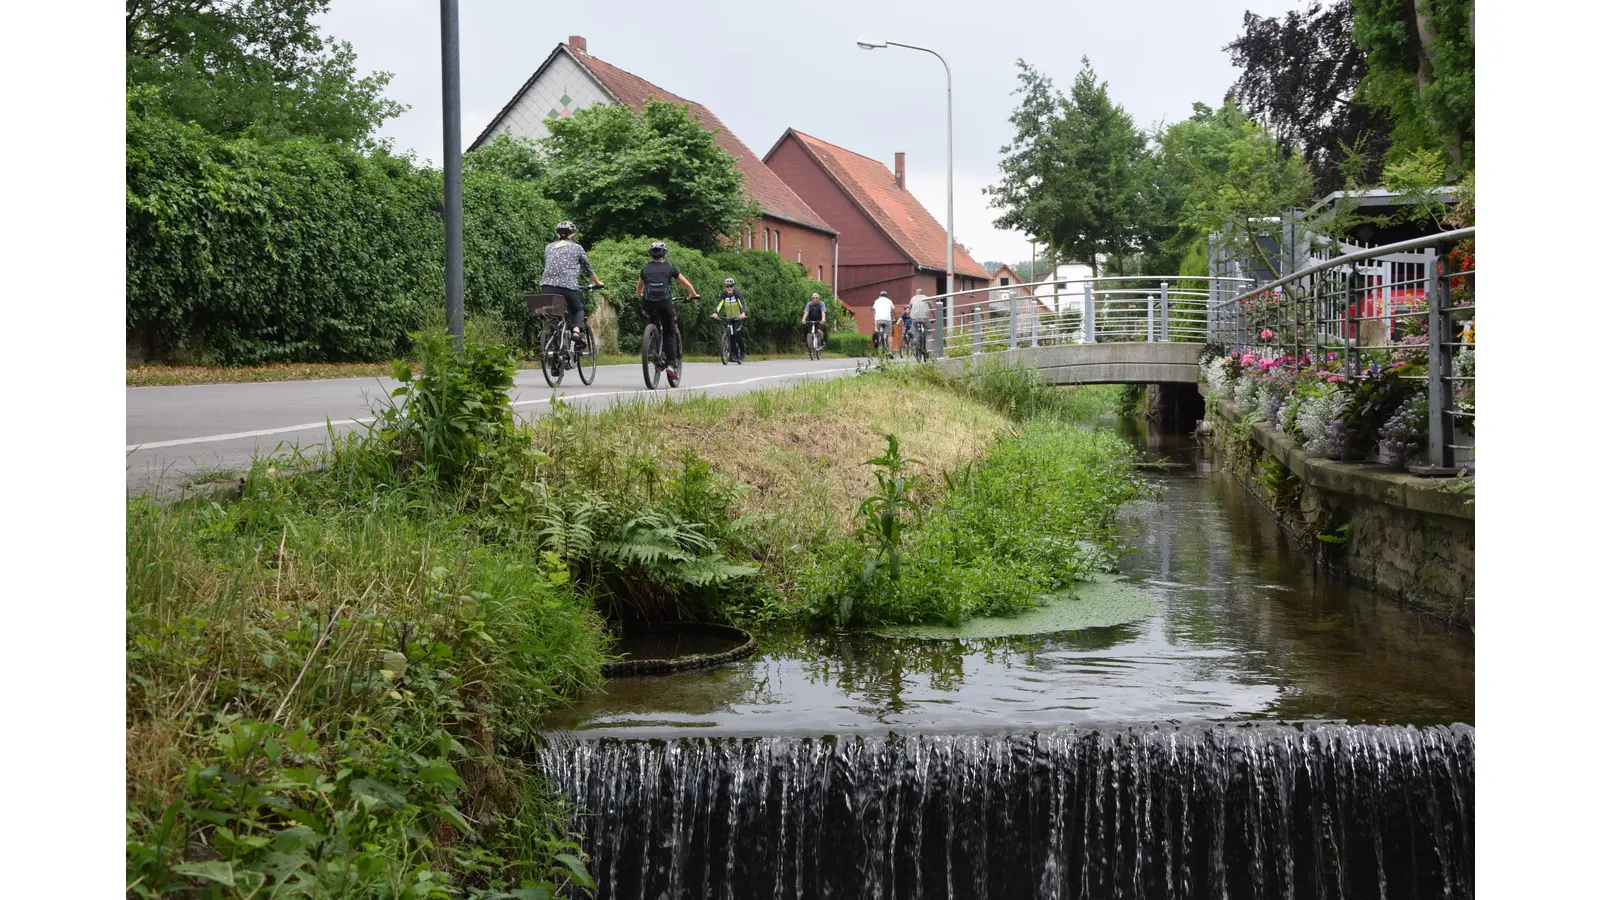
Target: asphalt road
point(178, 433)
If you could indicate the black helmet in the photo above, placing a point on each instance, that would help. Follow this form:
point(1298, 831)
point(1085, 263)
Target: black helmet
point(727, 282)
point(658, 250)
point(566, 229)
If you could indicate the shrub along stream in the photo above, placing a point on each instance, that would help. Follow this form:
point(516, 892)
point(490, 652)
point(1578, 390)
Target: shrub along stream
point(324, 674)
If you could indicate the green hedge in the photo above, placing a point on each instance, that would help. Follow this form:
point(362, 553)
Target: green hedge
point(242, 252)
point(850, 343)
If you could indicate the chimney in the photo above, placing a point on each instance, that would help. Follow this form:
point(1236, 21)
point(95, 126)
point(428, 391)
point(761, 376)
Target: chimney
point(577, 43)
point(900, 171)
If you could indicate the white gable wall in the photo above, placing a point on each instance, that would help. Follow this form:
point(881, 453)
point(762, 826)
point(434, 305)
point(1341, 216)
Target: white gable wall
point(562, 78)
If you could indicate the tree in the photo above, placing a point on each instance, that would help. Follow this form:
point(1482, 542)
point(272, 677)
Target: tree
point(1301, 77)
point(1420, 66)
point(256, 68)
point(1221, 173)
point(620, 173)
point(1076, 172)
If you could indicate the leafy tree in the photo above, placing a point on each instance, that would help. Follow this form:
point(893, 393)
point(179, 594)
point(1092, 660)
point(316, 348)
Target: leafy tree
point(775, 292)
point(1219, 172)
point(1420, 66)
point(1076, 172)
point(620, 173)
point(257, 68)
point(1301, 77)
point(514, 158)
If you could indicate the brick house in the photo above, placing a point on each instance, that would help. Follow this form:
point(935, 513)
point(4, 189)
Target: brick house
point(887, 240)
point(571, 79)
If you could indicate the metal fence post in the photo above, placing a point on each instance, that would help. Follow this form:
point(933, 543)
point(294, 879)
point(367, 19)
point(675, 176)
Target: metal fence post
point(980, 311)
point(1033, 311)
point(1088, 312)
point(938, 328)
point(1166, 318)
point(1150, 318)
point(1440, 397)
point(1013, 320)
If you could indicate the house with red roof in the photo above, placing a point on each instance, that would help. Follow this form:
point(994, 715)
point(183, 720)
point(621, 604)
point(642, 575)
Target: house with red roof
point(570, 79)
point(887, 240)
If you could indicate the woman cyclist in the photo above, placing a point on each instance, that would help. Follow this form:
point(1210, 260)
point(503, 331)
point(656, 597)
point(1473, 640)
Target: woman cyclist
point(564, 261)
point(655, 293)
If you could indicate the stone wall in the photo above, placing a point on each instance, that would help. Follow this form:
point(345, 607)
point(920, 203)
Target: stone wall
point(1399, 534)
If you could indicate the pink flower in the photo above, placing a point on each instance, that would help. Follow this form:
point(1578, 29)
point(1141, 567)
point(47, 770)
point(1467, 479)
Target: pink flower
point(1266, 334)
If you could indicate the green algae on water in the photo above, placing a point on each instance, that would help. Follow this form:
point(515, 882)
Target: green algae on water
point(1098, 602)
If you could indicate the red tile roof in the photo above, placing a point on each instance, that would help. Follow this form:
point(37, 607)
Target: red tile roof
point(871, 185)
point(765, 188)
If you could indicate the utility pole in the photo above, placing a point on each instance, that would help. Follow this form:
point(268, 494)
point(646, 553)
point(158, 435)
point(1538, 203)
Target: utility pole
point(450, 59)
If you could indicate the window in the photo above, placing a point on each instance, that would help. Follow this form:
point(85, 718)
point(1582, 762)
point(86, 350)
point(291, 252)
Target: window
point(1004, 281)
point(775, 248)
point(766, 238)
point(819, 273)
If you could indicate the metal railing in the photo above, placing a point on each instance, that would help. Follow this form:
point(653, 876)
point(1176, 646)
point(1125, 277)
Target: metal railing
point(1367, 309)
point(1076, 311)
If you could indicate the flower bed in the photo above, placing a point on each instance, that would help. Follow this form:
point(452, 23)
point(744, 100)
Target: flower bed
point(1378, 415)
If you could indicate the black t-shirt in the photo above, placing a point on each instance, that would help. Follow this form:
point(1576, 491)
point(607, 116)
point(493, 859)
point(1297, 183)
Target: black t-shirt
point(814, 310)
point(658, 276)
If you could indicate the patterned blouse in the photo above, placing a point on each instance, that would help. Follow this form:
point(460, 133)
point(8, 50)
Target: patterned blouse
point(564, 261)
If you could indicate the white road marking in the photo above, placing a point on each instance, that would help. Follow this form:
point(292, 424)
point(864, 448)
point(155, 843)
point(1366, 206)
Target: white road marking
point(287, 429)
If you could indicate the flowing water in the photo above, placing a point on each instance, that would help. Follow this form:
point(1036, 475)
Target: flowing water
point(1149, 759)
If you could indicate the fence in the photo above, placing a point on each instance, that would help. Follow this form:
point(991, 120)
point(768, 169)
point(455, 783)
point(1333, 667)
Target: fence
point(1354, 312)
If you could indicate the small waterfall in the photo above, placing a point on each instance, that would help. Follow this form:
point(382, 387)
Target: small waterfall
point(1240, 812)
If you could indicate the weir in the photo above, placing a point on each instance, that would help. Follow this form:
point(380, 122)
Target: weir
point(1327, 811)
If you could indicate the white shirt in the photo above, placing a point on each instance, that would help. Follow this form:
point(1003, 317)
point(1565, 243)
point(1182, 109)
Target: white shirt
point(882, 309)
point(919, 308)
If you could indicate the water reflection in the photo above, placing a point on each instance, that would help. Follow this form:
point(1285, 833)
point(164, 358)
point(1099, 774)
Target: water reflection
point(1246, 630)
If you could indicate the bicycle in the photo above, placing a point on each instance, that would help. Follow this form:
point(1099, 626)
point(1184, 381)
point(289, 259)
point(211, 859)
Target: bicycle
point(919, 344)
point(725, 347)
point(883, 347)
point(814, 340)
point(651, 352)
point(557, 351)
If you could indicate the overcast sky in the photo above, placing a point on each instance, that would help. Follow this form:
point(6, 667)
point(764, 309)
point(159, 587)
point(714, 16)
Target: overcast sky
point(764, 67)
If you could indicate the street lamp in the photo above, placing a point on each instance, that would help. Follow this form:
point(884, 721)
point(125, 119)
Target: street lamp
point(950, 176)
point(450, 69)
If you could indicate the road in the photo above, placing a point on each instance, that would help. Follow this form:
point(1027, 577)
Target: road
point(177, 433)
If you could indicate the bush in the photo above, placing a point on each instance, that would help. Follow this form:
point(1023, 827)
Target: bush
point(241, 252)
point(618, 263)
point(775, 294)
point(850, 343)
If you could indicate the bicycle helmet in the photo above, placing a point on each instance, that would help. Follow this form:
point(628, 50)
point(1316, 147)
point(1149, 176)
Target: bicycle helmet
point(658, 250)
point(883, 293)
point(566, 229)
point(727, 282)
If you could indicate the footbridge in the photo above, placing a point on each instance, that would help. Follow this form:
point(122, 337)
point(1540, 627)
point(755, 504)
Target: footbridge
point(1160, 362)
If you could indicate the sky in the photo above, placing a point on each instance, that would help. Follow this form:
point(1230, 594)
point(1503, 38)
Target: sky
point(766, 67)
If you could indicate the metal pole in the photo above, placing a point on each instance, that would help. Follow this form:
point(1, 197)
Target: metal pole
point(1166, 319)
point(1088, 312)
point(1149, 318)
point(450, 53)
point(950, 180)
point(1440, 398)
point(1013, 320)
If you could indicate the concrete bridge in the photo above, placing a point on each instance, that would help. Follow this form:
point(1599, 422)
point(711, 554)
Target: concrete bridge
point(1142, 362)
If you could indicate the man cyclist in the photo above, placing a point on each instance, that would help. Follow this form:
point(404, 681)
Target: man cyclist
point(918, 312)
point(731, 307)
point(564, 261)
point(882, 311)
point(815, 316)
point(655, 294)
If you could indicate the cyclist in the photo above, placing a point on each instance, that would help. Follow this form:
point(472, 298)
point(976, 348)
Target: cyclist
point(815, 315)
point(905, 330)
point(918, 312)
point(655, 293)
point(882, 311)
point(564, 261)
point(731, 306)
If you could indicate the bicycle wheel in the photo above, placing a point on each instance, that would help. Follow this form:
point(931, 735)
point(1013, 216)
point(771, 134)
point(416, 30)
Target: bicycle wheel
point(550, 354)
point(723, 348)
point(589, 357)
point(649, 351)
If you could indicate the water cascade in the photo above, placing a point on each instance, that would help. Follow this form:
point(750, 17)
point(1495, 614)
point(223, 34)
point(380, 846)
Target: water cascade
point(1239, 811)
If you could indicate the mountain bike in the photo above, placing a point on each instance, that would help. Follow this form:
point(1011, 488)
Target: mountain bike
point(725, 348)
point(652, 353)
point(882, 343)
point(558, 352)
point(919, 343)
point(814, 340)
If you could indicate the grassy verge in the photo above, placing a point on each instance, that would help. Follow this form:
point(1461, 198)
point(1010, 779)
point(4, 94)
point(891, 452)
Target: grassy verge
point(324, 676)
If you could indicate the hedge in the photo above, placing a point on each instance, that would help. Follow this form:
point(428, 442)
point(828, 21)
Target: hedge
point(242, 252)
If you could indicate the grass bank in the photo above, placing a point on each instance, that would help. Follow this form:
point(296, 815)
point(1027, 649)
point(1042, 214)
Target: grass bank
point(325, 676)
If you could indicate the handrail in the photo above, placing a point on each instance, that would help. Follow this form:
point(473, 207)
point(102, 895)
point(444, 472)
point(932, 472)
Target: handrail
point(1052, 282)
point(1432, 240)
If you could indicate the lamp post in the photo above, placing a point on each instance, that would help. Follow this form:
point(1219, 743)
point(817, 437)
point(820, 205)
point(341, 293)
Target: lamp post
point(450, 64)
point(950, 175)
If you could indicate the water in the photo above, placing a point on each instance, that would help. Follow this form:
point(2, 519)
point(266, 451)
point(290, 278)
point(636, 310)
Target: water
point(1150, 759)
point(1242, 812)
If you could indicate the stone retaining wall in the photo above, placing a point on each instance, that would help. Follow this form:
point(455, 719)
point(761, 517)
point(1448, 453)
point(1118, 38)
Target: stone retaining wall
point(1399, 534)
